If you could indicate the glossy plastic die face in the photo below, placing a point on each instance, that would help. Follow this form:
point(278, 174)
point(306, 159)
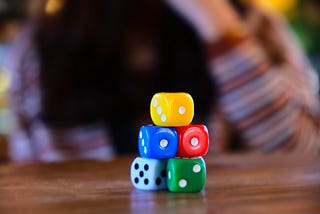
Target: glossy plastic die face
point(186, 174)
point(148, 174)
point(193, 141)
point(157, 142)
point(172, 109)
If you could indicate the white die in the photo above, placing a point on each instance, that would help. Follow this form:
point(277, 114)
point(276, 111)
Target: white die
point(148, 174)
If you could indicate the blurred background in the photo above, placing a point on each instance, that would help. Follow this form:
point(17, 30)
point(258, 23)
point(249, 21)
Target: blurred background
point(11, 16)
point(302, 15)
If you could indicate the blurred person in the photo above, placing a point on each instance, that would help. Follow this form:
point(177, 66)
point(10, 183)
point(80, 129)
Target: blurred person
point(22, 90)
point(271, 30)
point(10, 20)
point(267, 89)
point(85, 75)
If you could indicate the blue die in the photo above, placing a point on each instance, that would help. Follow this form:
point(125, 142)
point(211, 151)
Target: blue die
point(158, 142)
point(149, 174)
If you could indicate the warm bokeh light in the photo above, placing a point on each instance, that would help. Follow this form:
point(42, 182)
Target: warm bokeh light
point(4, 81)
point(54, 6)
point(282, 6)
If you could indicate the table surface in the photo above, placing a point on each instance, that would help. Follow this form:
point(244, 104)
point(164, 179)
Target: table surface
point(235, 184)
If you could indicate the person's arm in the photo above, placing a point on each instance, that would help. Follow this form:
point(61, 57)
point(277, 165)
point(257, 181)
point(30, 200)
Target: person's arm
point(32, 139)
point(254, 95)
point(273, 30)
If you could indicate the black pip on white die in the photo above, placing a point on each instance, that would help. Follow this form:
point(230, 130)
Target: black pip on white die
point(148, 174)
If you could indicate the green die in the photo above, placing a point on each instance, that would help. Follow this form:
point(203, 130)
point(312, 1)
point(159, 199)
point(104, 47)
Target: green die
point(186, 174)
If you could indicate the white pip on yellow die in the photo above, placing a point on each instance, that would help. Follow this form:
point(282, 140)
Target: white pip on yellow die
point(172, 109)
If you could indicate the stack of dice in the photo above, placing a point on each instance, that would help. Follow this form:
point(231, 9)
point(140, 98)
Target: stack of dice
point(171, 150)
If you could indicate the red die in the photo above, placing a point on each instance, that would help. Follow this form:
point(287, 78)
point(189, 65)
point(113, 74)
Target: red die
point(193, 141)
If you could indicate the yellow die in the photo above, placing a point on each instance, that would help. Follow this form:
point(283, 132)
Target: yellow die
point(172, 109)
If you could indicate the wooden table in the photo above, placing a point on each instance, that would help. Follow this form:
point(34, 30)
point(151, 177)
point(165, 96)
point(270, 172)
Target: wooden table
point(235, 184)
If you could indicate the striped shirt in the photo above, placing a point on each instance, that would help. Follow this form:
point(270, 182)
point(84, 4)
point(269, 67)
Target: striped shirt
point(32, 139)
point(272, 106)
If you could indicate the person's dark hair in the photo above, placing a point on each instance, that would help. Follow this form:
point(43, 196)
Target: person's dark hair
point(241, 6)
point(12, 10)
point(86, 74)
